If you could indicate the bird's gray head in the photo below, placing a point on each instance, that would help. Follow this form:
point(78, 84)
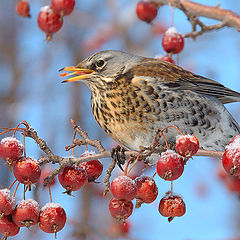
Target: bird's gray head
point(102, 67)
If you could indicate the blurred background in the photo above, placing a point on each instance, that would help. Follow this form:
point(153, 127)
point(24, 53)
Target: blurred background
point(31, 90)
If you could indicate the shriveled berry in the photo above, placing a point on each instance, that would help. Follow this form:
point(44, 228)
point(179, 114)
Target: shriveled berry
point(27, 171)
point(124, 187)
point(52, 218)
point(7, 202)
point(172, 41)
point(49, 21)
point(8, 227)
point(11, 149)
point(63, 7)
point(147, 190)
point(167, 59)
point(170, 165)
point(26, 213)
point(146, 11)
point(172, 206)
point(120, 209)
point(23, 8)
point(72, 178)
point(186, 145)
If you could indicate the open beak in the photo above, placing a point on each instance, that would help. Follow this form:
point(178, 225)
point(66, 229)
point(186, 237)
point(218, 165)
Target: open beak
point(81, 73)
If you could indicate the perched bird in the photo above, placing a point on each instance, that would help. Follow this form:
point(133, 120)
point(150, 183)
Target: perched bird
point(132, 96)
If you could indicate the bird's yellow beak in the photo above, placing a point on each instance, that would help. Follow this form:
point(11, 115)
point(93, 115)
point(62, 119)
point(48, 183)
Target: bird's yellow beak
point(82, 73)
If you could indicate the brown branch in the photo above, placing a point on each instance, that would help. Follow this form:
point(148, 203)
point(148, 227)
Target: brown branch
point(230, 18)
point(107, 177)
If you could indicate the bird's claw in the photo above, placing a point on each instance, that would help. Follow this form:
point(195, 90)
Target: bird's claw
point(118, 154)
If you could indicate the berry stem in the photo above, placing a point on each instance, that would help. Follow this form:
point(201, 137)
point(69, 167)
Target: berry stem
point(135, 162)
point(50, 194)
point(16, 189)
point(126, 168)
point(172, 127)
point(171, 187)
point(24, 144)
point(154, 174)
point(16, 128)
point(12, 184)
point(74, 136)
point(24, 192)
point(165, 139)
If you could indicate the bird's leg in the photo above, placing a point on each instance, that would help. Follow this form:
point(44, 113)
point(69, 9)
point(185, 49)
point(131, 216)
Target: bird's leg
point(118, 154)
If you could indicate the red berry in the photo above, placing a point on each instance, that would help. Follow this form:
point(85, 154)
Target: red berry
point(49, 21)
point(235, 139)
point(7, 202)
point(11, 149)
point(187, 145)
point(123, 187)
point(172, 41)
point(170, 165)
point(26, 213)
point(231, 161)
point(27, 171)
point(52, 218)
point(172, 206)
point(72, 178)
point(146, 11)
point(8, 227)
point(93, 168)
point(22, 8)
point(147, 190)
point(125, 227)
point(120, 209)
point(63, 7)
point(166, 59)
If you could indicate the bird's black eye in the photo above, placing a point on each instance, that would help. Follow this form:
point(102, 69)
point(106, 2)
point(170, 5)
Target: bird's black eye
point(100, 63)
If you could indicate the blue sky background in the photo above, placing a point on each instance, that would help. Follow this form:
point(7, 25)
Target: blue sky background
point(47, 105)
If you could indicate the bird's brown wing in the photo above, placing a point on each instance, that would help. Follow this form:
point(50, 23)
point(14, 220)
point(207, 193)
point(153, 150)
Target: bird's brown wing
point(175, 77)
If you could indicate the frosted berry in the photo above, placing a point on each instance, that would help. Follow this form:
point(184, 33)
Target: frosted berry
point(124, 187)
point(235, 140)
point(120, 209)
point(231, 161)
point(7, 202)
point(26, 213)
point(172, 206)
point(72, 178)
point(63, 7)
point(27, 171)
point(22, 8)
point(52, 218)
point(93, 168)
point(8, 227)
point(146, 11)
point(167, 59)
point(49, 21)
point(11, 149)
point(186, 145)
point(172, 41)
point(147, 190)
point(170, 165)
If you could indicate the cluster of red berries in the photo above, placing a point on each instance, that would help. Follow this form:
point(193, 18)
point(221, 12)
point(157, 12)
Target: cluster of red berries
point(169, 167)
point(50, 18)
point(51, 217)
point(74, 177)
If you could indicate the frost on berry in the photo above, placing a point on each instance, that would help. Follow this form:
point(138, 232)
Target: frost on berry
point(172, 206)
point(186, 145)
point(27, 171)
point(147, 190)
point(170, 165)
point(72, 178)
point(146, 11)
point(7, 202)
point(63, 7)
point(52, 218)
point(123, 187)
point(231, 158)
point(166, 59)
point(120, 209)
point(26, 213)
point(49, 21)
point(22, 8)
point(93, 168)
point(11, 149)
point(8, 227)
point(172, 41)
